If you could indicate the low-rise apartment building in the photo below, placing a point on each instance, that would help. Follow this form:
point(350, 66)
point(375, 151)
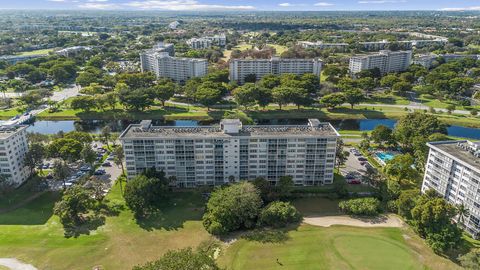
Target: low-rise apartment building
point(241, 68)
point(323, 46)
point(208, 41)
point(386, 61)
point(13, 147)
point(453, 171)
point(215, 155)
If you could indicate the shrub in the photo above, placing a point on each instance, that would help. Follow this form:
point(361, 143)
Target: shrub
point(279, 214)
point(361, 206)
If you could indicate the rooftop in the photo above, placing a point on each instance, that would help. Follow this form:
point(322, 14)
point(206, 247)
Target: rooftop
point(7, 131)
point(315, 128)
point(466, 151)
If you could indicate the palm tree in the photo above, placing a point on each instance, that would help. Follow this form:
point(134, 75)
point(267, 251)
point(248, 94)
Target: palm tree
point(3, 89)
point(463, 213)
point(118, 160)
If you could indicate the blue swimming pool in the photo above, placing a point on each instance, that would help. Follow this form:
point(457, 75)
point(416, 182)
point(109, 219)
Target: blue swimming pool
point(385, 156)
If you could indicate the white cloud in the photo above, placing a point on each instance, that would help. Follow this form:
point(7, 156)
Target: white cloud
point(381, 1)
point(323, 4)
point(92, 1)
point(56, 0)
point(460, 8)
point(285, 5)
point(97, 6)
point(182, 5)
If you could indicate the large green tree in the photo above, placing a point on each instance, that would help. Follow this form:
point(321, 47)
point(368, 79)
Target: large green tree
point(232, 208)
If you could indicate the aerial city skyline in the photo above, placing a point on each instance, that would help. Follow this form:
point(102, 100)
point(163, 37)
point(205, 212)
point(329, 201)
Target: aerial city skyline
point(248, 5)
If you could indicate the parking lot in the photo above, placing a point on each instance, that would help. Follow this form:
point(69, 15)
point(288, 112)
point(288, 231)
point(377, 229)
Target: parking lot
point(105, 171)
point(355, 166)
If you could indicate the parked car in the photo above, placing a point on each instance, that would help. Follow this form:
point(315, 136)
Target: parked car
point(362, 159)
point(106, 164)
point(85, 168)
point(355, 182)
point(99, 172)
point(110, 158)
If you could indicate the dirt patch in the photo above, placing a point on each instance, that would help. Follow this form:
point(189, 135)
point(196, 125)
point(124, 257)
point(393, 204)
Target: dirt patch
point(391, 221)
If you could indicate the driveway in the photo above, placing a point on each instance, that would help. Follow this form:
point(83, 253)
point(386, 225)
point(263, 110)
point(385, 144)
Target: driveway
point(15, 264)
point(66, 93)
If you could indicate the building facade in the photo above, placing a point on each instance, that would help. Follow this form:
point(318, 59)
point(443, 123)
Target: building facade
point(386, 61)
point(199, 43)
point(73, 51)
point(215, 155)
point(208, 41)
point(13, 147)
point(425, 60)
point(323, 46)
point(241, 68)
point(178, 69)
point(453, 171)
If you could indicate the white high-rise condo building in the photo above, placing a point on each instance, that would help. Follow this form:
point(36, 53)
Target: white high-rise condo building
point(215, 155)
point(453, 171)
point(386, 61)
point(241, 68)
point(13, 147)
point(178, 69)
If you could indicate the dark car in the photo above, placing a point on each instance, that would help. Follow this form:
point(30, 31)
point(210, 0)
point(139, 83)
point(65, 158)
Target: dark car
point(99, 172)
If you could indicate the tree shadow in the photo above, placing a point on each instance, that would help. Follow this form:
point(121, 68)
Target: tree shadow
point(267, 236)
point(89, 224)
point(36, 212)
point(174, 212)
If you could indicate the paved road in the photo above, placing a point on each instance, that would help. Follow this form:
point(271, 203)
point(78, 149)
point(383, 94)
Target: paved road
point(70, 91)
point(66, 93)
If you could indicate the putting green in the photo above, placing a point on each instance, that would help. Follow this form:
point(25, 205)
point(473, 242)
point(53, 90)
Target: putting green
point(369, 252)
point(337, 247)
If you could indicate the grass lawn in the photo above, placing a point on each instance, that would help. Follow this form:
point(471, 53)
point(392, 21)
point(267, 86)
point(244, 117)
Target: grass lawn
point(279, 48)
point(434, 102)
point(36, 52)
point(120, 244)
point(387, 99)
point(336, 247)
point(7, 114)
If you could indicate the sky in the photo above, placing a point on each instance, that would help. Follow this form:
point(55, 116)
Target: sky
point(223, 5)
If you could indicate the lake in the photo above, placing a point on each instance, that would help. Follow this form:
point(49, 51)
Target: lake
point(95, 126)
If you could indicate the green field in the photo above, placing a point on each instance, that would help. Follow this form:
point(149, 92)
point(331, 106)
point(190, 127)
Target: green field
point(36, 52)
point(31, 234)
point(337, 247)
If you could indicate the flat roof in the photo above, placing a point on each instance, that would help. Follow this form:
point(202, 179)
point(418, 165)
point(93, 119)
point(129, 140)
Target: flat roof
point(322, 130)
point(454, 150)
point(7, 131)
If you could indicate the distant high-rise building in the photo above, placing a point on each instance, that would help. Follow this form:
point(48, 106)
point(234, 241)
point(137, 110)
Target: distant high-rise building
point(241, 68)
point(216, 155)
point(178, 69)
point(386, 61)
point(13, 147)
point(453, 171)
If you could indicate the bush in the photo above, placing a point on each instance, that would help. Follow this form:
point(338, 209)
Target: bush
point(232, 208)
point(279, 214)
point(361, 206)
